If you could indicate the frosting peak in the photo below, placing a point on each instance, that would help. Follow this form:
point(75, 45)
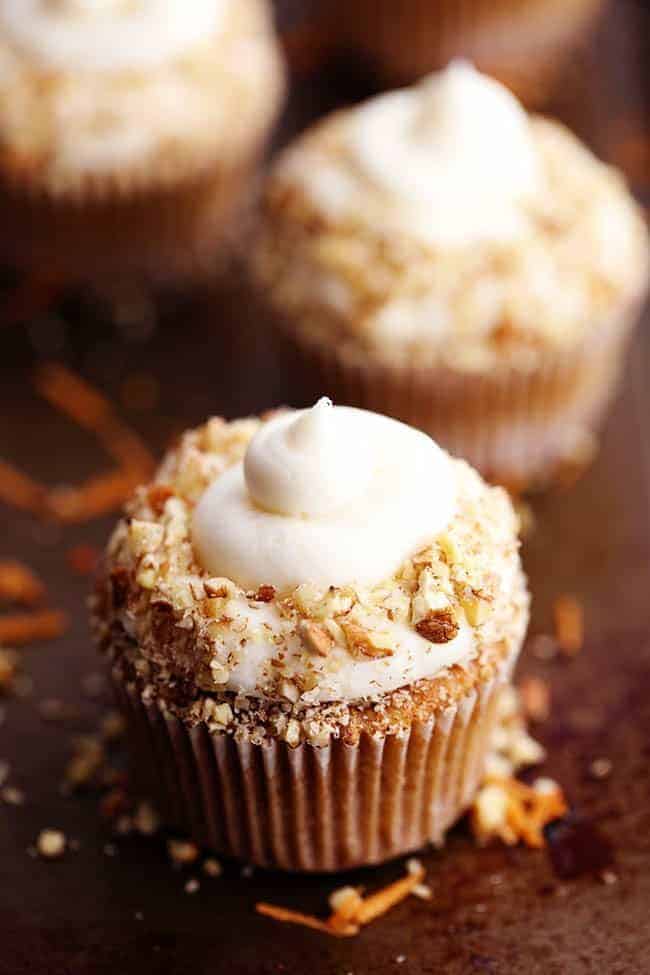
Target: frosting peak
point(329, 495)
point(304, 465)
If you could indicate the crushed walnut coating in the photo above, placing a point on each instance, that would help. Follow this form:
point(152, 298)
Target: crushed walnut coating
point(182, 634)
point(340, 275)
point(47, 116)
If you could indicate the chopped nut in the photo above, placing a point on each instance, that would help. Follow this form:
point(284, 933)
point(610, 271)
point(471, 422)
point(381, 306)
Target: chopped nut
point(536, 698)
point(264, 594)
point(182, 852)
point(218, 588)
point(51, 843)
point(476, 609)
point(145, 536)
point(569, 624)
point(315, 637)
point(221, 714)
point(12, 795)
point(212, 867)
point(86, 762)
point(292, 733)
point(544, 647)
point(600, 768)
point(112, 726)
point(220, 674)
point(145, 819)
point(365, 643)
point(439, 626)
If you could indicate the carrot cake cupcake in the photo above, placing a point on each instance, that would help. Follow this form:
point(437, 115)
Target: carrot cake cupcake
point(524, 43)
point(308, 618)
point(442, 256)
point(129, 130)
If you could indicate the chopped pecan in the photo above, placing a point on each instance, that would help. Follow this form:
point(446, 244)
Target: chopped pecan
point(316, 637)
point(157, 495)
point(438, 626)
point(364, 643)
point(264, 594)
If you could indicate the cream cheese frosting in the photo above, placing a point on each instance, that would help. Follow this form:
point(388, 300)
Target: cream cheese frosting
point(443, 605)
point(332, 496)
point(451, 160)
point(109, 35)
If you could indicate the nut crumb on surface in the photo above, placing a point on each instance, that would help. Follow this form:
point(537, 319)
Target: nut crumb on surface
point(51, 844)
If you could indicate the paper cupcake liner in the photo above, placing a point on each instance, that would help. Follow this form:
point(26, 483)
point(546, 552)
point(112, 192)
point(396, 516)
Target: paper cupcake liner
point(311, 808)
point(519, 428)
point(524, 43)
point(165, 233)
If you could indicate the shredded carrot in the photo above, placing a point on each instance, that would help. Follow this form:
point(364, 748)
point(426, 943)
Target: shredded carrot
point(94, 497)
point(21, 491)
point(21, 628)
point(306, 920)
point(92, 411)
point(18, 584)
point(354, 911)
point(569, 624)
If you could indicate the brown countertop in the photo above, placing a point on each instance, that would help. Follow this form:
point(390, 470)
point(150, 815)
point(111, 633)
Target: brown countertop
point(495, 910)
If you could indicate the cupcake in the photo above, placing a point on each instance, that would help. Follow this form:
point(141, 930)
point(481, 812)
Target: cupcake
point(524, 43)
point(129, 131)
point(308, 619)
point(440, 255)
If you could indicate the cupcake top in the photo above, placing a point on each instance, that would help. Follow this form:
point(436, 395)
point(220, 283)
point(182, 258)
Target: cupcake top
point(443, 222)
point(314, 556)
point(90, 87)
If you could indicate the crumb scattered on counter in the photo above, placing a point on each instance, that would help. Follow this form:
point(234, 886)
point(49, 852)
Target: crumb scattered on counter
point(569, 624)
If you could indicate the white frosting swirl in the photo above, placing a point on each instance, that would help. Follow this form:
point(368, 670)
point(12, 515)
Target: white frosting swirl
point(332, 496)
point(449, 161)
point(109, 35)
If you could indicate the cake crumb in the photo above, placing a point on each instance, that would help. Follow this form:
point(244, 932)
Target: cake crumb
point(212, 867)
point(569, 624)
point(182, 852)
point(600, 768)
point(536, 698)
point(51, 844)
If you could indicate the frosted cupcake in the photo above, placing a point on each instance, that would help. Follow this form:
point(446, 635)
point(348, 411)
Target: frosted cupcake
point(129, 130)
point(525, 43)
point(308, 618)
point(440, 255)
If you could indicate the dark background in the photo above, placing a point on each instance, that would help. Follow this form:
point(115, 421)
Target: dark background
point(493, 910)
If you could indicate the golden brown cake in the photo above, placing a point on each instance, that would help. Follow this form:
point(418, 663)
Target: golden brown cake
point(129, 133)
point(308, 618)
point(440, 255)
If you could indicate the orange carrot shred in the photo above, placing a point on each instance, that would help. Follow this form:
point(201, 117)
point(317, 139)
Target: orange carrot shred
point(569, 624)
point(306, 920)
point(21, 491)
point(18, 584)
point(22, 628)
point(379, 903)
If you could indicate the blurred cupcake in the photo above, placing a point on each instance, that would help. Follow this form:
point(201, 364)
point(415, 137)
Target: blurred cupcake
point(309, 618)
point(524, 43)
point(441, 256)
point(129, 130)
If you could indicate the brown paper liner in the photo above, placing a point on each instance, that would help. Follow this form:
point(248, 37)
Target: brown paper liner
point(164, 233)
point(524, 43)
point(521, 429)
point(312, 808)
